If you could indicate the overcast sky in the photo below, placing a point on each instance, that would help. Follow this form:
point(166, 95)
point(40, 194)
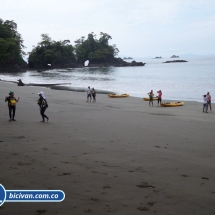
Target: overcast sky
point(139, 28)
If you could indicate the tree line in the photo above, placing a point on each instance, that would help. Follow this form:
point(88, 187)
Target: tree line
point(11, 45)
point(55, 53)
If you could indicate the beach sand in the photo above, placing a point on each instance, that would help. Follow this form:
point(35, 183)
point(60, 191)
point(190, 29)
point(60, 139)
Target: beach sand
point(115, 156)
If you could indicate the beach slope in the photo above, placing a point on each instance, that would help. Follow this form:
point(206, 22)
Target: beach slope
point(116, 156)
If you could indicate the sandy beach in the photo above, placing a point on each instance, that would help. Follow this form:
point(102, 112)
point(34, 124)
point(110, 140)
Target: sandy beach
point(115, 156)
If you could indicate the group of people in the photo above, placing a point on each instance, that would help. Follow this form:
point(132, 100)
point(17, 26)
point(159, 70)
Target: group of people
point(91, 93)
point(42, 102)
point(207, 102)
point(151, 97)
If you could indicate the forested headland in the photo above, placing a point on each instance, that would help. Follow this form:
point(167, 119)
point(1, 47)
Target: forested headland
point(11, 47)
point(56, 54)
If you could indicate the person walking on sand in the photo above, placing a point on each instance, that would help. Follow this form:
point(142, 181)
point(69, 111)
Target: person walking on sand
point(159, 97)
point(11, 105)
point(42, 102)
point(151, 95)
point(205, 103)
point(209, 100)
point(93, 94)
point(89, 94)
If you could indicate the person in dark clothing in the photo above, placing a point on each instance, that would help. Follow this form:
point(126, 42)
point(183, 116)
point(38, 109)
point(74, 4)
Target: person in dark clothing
point(93, 94)
point(42, 102)
point(11, 105)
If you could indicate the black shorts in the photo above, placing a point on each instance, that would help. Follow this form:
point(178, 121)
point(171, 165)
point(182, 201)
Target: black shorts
point(159, 100)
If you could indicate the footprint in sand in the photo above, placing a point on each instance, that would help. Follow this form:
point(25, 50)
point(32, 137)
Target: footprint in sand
point(143, 208)
point(145, 185)
point(103, 193)
point(88, 211)
point(40, 211)
point(62, 174)
point(184, 176)
point(205, 178)
point(151, 203)
point(94, 172)
point(106, 187)
point(94, 199)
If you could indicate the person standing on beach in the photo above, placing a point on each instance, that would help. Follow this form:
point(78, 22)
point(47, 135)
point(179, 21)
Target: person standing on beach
point(159, 97)
point(42, 102)
point(11, 105)
point(93, 94)
point(205, 103)
point(151, 95)
point(89, 94)
point(209, 100)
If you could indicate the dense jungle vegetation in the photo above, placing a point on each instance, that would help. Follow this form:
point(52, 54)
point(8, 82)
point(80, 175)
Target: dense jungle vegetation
point(57, 54)
point(11, 45)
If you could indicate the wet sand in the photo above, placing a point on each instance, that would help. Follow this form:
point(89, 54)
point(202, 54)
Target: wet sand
point(115, 156)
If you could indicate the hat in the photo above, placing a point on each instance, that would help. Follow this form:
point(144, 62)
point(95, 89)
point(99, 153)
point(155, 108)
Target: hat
point(10, 93)
point(42, 94)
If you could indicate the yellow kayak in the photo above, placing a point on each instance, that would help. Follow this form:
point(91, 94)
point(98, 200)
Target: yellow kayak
point(172, 104)
point(147, 99)
point(118, 95)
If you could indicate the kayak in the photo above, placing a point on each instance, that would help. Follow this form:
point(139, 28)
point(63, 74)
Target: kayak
point(118, 95)
point(147, 99)
point(172, 104)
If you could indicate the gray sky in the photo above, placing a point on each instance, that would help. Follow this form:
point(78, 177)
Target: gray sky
point(139, 28)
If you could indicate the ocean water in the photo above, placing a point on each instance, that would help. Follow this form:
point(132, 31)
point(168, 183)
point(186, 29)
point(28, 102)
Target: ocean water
point(178, 81)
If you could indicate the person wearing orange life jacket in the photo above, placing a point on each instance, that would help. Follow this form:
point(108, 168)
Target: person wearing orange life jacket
point(11, 105)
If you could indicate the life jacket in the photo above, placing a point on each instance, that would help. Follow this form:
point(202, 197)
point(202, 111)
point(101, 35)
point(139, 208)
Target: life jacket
point(11, 101)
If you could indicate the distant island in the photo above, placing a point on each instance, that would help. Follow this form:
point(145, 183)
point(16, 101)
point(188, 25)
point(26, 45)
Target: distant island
point(176, 61)
point(157, 57)
point(127, 58)
point(174, 56)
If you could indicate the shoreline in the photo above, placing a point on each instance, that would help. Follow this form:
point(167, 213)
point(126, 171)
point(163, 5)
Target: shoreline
point(58, 86)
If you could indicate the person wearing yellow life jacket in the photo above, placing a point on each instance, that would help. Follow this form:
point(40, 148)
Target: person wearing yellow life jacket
point(43, 104)
point(11, 105)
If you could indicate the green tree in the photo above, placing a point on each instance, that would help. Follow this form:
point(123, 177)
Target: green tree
point(56, 53)
point(11, 45)
point(97, 51)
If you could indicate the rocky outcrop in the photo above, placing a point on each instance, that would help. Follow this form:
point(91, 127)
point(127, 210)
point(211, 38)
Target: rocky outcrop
point(175, 61)
point(20, 83)
point(174, 56)
point(116, 62)
point(127, 58)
